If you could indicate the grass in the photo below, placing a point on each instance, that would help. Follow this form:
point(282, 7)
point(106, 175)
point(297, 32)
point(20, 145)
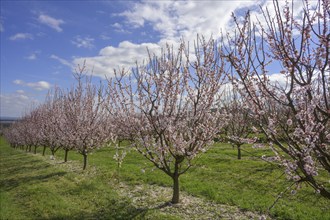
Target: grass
point(34, 187)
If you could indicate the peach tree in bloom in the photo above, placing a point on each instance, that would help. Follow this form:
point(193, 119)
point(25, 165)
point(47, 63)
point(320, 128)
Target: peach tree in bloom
point(166, 106)
point(51, 122)
point(294, 114)
point(32, 132)
point(84, 117)
point(13, 135)
point(239, 127)
point(25, 132)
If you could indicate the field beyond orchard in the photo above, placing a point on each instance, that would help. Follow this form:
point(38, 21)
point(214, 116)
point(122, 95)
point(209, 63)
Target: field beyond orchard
point(218, 186)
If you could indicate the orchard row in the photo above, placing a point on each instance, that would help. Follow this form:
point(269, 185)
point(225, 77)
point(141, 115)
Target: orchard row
point(173, 106)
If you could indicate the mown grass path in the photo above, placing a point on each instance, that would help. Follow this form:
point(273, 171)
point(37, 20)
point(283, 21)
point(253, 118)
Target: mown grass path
point(218, 187)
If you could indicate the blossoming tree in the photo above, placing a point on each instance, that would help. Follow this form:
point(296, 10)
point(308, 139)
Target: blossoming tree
point(239, 125)
point(294, 115)
point(51, 122)
point(85, 117)
point(167, 106)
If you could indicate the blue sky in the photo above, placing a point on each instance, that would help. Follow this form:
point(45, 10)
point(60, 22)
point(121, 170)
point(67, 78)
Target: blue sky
point(43, 41)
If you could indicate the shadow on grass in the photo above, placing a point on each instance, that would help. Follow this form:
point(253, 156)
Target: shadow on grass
point(115, 209)
point(28, 166)
point(11, 183)
point(14, 160)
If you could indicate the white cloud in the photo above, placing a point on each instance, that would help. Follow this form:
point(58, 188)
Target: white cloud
point(172, 20)
point(18, 82)
point(21, 36)
point(120, 28)
point(32, 56)
point(117, 25)
point(85, 42)
point(16, 104)
point(62, 61)
point(177, 19)
point(105, 37)
point(41, 85)
point(51, 22)
point(279, 79)
point(109, 58)
point(268, 7)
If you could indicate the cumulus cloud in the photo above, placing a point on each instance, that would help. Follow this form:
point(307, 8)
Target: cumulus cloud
point(41, 85)
point(17, 103)
point(123, 56)
point(172, 20)
point(51, 22)
point(279, 79)
point(85, 42)
point(21, 36)
point(268, 6)
point(176, 19)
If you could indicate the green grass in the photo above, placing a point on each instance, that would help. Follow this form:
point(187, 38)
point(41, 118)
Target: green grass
point(250, 183)
point(33, 188)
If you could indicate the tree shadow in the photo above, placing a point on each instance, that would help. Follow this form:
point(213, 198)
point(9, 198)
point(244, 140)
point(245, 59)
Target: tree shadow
point(24, 168)
point(11, 183)
point(114, 209)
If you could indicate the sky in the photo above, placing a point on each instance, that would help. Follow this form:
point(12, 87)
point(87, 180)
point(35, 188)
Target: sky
point(42, 42)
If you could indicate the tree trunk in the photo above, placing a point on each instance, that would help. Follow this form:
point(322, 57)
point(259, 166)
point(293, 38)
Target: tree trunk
point(176, 188)
point(325, 193)
point(35, 149)
point(66, 156)
point(52, 157)
point(85, 161)
point(239, 155)
point(43, 152)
